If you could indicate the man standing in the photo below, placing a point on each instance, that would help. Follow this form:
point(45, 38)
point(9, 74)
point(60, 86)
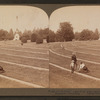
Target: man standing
point(74, 59)
point(72, 65)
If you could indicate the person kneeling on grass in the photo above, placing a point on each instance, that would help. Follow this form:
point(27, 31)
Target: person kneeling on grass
point(83, 68)
point(72, 66)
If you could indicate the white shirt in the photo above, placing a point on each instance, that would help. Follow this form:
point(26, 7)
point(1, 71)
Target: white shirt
point(72, 64)
point(82, 65)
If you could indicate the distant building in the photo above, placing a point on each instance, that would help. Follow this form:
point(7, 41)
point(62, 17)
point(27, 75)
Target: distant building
point(16, 35)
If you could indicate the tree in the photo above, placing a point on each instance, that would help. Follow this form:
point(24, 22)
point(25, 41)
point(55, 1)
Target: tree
point(77, 35)
point(95, 36)
point(86, 34)
point(24, 40)
point(59, 37)
point(51, 36)
point(33, 37)
point(27, 34)
point(66, 31)
point(20, 34)
point(47, 39)
point(10, 35)
point(45, 32)
point(3, 34)
point(39, 39)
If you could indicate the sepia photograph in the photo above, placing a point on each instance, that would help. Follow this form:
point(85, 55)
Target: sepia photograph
point(75, 51)
point(49, 49)
point(24, 53)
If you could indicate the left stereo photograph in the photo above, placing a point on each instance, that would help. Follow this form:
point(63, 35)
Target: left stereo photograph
point(24, 52)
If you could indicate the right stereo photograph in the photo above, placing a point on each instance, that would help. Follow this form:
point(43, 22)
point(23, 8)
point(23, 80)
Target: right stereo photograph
point(74, 50)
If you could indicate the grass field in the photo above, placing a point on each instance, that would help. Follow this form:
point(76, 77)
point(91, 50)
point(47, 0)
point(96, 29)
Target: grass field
point(25, 66)
point(47, 65)
point(86, 51)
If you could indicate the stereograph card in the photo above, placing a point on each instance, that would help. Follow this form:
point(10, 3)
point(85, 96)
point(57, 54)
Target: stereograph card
point(49, 50)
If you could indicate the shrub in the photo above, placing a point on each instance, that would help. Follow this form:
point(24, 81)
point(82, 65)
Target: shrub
point(27, 34)
point(24, 40)
point(39, 40)
point(33, 37)
point(50, 37)
point(47, 39)
point(3, 34)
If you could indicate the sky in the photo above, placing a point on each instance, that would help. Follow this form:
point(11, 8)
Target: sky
point(81, 17)
point(22, 17)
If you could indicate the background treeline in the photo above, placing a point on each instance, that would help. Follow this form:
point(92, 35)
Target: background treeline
point(64, 33)
point(5, 35)
point(87, 35)
point(8, 35)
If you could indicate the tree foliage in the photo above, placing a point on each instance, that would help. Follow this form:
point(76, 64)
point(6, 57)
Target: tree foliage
point(65, 32)
point(59, 37)
point(77, 35)
point(43, 32)
point(24, 40)
point(39, 39)
point(3, 34)
point(39, 34)
point(51, 36)
point(33, 37)
point(87, 34)
point(27, 34)
point(95, 36)
point(10, 35)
